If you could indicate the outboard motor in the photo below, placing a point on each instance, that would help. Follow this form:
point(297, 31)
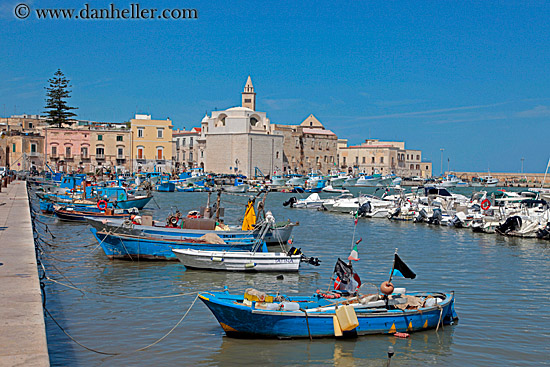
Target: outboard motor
point(394, 213)
point(436, 217)
point(290, 202)
point(364, 209)
point(422, 216)
point(511, 224)
point(544, 233)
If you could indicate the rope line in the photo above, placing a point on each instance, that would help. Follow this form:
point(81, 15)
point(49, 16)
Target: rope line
point(117, 354)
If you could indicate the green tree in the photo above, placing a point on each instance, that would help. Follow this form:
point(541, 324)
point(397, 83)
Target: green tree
point(58, 113)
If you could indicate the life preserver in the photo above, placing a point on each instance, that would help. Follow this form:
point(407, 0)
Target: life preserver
point(102, 205)
point(485, 204)
point(174, 220)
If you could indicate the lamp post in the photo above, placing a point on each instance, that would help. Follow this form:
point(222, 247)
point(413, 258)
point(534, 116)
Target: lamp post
point(442, 149)
point(522, 159)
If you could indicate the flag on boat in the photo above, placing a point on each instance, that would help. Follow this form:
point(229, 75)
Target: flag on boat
point(356, 216)
point(249, 217)
point(354, 253)
point(400, 268)
point(346, 278)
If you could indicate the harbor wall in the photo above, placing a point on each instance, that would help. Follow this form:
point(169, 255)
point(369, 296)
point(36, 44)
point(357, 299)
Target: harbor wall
point(22, 326)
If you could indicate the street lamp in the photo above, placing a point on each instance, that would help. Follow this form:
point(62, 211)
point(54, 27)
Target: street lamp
point(442, 149)
point(522, 159)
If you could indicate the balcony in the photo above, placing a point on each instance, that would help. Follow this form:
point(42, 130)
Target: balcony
point(99, 157)
point(140, 158)
point(34, 154)
point(160, 159)
point(120, 160)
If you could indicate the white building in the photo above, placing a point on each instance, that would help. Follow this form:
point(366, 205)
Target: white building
point(241, 140)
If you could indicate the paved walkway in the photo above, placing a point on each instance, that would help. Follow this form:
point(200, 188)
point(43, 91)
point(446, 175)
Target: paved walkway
point(22, 328)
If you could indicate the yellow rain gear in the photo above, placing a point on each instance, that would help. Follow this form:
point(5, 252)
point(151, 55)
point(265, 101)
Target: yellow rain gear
point(249, 217)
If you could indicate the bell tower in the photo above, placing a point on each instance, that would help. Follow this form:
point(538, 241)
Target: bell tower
point(249, 97)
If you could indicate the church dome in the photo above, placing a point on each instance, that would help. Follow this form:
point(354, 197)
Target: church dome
point(239, 109)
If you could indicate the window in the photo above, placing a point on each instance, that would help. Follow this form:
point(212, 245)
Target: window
point(364, 159)
point(67, 152)
point(247, 100)
point(13, 148)
point(356, 160)
point(326, 159)
point(392, 161)
point(320, 145)
point(54, 151)
point(160, 133)
point(160, 153)
point(99, 153)
point(190, 156)
point(331, 159)
point(140, 132)
point(417, 166)
point(412, 166)
point(418, 157)
point(177, 143)
point(99, 137)
point(140, 153)
point(84, 152)
point(183, 156)
point(30, 125)
point(407, 157)
point(119, 138)
point(33, 147)
point(316, 159)
point(183, 142)
point(202, 154)
point(277, 155)
point(381, 159)
point(190, 142)
point(344, 160)
point(372, 160)
point(120, 153)
point(297, 144)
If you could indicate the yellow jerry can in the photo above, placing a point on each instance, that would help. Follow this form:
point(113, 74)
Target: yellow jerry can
point(337, 330)
point(347, 318)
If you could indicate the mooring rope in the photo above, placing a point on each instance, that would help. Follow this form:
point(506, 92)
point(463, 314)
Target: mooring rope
point(133, 351)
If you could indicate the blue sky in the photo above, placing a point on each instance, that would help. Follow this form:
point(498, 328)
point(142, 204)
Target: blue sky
point(470, 77)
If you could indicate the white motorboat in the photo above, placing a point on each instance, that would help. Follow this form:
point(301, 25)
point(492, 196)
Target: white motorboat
point(313, 201)
point(238, 261)
point(296, 180)
point(331, 189)
point(376, 180)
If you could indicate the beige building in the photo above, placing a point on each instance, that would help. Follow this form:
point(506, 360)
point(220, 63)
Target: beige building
point(109, 149)
point(188, 149)
point(384, 157)
point(308, 146)
point(151, 144)
point(26, 150)
point(240, 140)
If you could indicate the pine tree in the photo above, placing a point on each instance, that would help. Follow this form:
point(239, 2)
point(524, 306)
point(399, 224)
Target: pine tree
point(58, 113)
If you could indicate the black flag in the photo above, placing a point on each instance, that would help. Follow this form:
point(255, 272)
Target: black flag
point(402, 268)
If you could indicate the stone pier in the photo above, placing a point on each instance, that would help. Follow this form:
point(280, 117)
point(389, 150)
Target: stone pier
point(22, 327)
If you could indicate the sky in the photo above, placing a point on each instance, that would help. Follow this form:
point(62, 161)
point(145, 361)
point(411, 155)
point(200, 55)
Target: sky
point(471, 78)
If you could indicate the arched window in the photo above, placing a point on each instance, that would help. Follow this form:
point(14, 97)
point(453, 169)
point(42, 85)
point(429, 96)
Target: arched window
point(253, 121)
point(220, 121)
point(412, 166)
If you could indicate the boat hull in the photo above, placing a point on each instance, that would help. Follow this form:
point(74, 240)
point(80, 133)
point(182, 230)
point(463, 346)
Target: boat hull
point(274, 236)
point(123, 247)
point(239, 320)
point(238, 261)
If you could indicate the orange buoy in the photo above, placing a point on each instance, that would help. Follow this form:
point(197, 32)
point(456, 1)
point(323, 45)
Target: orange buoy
point(386, 288)
point(101, 204)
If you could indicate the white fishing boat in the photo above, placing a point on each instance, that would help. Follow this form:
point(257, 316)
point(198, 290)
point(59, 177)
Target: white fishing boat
point(376, 180)
point(238, 261)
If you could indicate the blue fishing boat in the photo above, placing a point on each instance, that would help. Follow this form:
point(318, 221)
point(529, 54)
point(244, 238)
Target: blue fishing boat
point(130, 247)
point(346, 311)
point(166, 186)
point(277, 234)
point(80, 213)
point(276, 316)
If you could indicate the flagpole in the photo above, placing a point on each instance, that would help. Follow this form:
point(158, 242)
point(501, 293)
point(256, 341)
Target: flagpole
point(392, 267)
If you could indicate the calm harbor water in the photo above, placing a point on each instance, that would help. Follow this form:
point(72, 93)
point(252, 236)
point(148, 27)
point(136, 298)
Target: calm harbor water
point(502, 290)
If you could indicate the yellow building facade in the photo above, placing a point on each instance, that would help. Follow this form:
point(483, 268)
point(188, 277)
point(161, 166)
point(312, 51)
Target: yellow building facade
point(151, 144)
